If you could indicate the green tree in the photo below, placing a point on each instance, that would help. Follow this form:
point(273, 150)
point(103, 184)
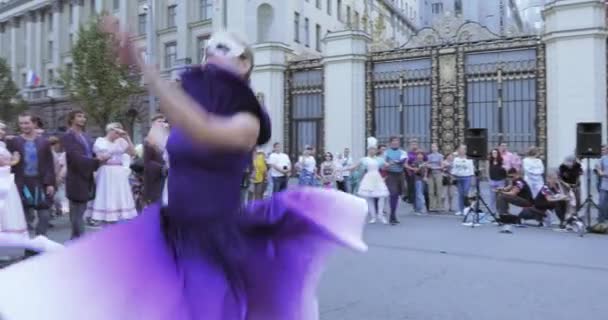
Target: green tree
point(11, 103)
point(98, 82)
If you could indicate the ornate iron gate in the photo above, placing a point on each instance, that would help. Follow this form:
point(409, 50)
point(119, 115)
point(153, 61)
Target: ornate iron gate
point(304, 114)
point(502, 96)
point(459, 75)
point(402, 99)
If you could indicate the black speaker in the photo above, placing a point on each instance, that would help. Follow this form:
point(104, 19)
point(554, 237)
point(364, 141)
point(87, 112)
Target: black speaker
point(476, 140)
point(589, 140)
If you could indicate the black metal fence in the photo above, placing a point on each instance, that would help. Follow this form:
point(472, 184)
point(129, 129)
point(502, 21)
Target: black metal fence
point(402, 100)
point(305, 111)
point(501, 96)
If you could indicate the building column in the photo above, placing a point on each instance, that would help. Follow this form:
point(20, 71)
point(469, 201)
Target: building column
point(30, 48)
point(575, 38)
point(14, 25)
point(344, 64)
point(183, 32)
point(57, 33)
point(268, 83)
point(38, 43)
point(77, 6)
point(99, 6)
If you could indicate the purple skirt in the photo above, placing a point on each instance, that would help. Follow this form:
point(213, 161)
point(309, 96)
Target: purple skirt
point(266, 266)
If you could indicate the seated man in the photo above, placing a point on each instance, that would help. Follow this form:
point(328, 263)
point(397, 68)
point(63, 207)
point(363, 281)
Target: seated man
point(517, 194)
point(550, 197)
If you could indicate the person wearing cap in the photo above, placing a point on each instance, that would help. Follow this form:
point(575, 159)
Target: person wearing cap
point(517, 194)
point(113, 197)
point(570, 172)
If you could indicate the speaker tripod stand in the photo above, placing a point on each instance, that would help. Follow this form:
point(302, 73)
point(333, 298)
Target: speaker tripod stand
point(475, 206)
point(588, 204)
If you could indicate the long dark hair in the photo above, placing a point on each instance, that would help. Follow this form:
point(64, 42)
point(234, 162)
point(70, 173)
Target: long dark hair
point(498, 157)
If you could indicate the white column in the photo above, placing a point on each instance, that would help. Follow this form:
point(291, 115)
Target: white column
point(38, 43)
point(268, 79)
point(123, 13)
point(99, 6)
point(30, 22)
point(57, 34)
point(575, 38)
point(344, 63)
point(77, 6)
point(14, 25)
point(183, 31)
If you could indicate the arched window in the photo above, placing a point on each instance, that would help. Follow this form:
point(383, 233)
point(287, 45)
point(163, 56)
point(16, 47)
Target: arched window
point(265, 19)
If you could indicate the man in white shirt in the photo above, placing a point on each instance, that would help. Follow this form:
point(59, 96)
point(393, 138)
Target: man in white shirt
point(280, 166)
point(344, 162)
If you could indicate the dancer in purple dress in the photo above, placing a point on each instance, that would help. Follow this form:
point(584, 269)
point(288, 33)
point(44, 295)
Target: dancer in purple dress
point(201, 256)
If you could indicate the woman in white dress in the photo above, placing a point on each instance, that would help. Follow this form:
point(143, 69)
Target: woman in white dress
point(113, 197)
point(533, 170)
point(60, 200)
point(13, 228)
point(372, 186)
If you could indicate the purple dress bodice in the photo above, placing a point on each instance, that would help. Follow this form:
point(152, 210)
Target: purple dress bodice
point(204, 183)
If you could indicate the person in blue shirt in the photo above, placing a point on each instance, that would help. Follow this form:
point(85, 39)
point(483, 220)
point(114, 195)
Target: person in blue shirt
point(395, 180)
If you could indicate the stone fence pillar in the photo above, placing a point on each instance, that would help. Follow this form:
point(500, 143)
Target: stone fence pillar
point(268, 82)
point(344, 64)
point(575, 38)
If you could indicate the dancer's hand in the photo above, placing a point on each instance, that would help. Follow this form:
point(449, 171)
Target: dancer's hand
point(50, 190)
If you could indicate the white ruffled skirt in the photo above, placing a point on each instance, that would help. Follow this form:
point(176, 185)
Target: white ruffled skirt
point(372, 185)
point(12, 218)
point(113, 195)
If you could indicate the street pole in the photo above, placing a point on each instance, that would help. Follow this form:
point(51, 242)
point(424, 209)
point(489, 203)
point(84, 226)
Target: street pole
point(151, 52)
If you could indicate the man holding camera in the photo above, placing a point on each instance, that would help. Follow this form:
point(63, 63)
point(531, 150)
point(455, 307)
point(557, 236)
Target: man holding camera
point(280, 167)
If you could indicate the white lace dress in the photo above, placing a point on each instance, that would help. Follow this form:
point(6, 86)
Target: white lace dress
point(12, 219)
point(113, 195)
point(372, 184)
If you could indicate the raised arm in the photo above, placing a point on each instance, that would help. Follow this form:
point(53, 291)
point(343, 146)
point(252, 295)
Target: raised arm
point(237, 132)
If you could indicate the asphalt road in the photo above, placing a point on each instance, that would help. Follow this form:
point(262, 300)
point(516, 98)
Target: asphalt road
point(431, 267)
point(434, 268)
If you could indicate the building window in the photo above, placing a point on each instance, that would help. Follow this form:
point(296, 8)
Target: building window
point(116, 5)
point(202, 45)
point(69, 68)
point(206, 9)
point(356, 22)
point(141, 23)
point(24, 80)
point(318, 3)
point(348, 16)
point(50, 20)
point(318, 38)
point(93, 7)
point(171, 14)
point(71, 41)
point(329, 7)
point(49, 53)
point(339, 11)
point(296, 27)
point(306, 32)
point(437, 8)
point(170, 55)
